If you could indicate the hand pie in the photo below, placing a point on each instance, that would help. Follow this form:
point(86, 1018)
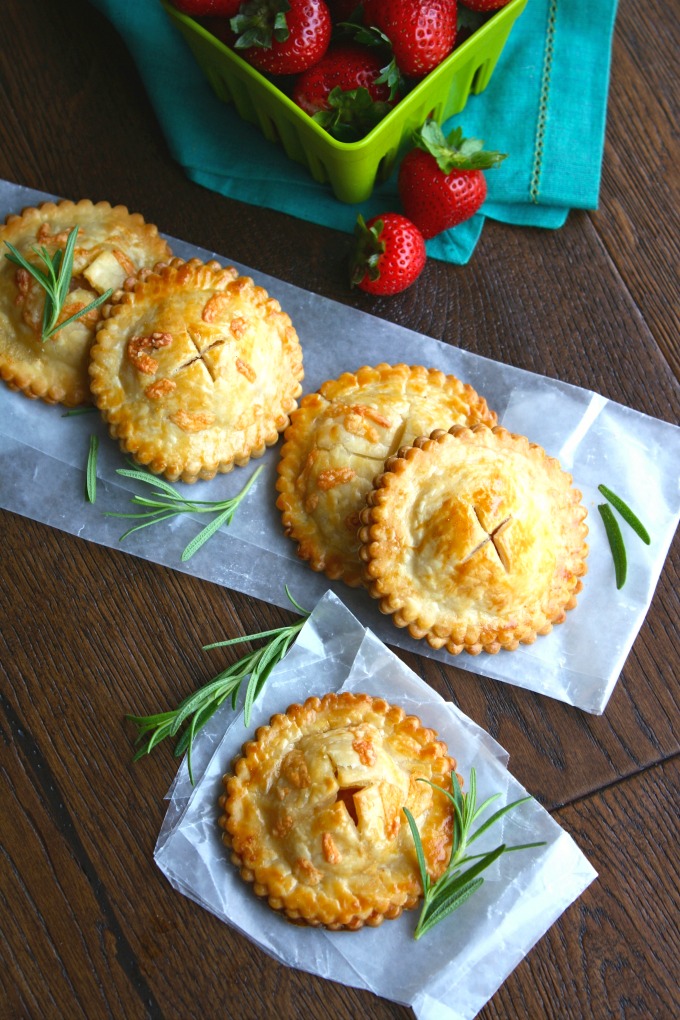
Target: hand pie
point(313, 810)
point(111, 245)
point(195, 369)
point(338, 441)
point(474, 539)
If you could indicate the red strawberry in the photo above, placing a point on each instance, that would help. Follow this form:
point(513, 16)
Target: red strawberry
point(282, 37)
point(343, 66)
point(389, 254)
point(207, 8)
point(485, 5)
point(440, 181)
point(341, 93)
point(422, 32)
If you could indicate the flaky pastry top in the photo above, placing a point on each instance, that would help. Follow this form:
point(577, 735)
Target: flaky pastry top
point(475, 540)
point(195, 369)
point(112, 244)
point(338, 441)
point(313, 810)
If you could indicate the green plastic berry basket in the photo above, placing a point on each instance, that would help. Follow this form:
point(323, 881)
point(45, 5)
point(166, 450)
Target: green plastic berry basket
point(351, 168)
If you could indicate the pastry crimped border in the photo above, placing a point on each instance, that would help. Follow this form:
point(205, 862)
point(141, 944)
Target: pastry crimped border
point(297, 523)
point(376, 546)
point(125, 431)
point(16, 375)
point(298, 720)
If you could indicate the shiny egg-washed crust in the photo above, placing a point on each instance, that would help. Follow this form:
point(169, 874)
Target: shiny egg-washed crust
point(112, 244)
point(474, 539)
point(195, 369)
point(313, 816)
point(338, 441)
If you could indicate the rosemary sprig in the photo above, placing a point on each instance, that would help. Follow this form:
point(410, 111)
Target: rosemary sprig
point(626, 512)
point(195, 710)
point(616, 544)
point(167, 502)
point(91, 470)
point(55, 280)
point(455, 886)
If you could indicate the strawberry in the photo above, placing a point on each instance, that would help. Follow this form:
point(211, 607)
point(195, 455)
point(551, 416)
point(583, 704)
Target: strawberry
point(282, 36)
point(389, 254)
point(341, 92)
point(440, 181)
point(208, 8)
point(422, 32)
point(345, 67)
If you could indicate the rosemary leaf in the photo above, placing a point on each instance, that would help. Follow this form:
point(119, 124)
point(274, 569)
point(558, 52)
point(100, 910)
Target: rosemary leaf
point(166, 502)
point(420, 855)
point(91, 472)
point(495, 817)
point(55, 281)
point(90, 409)
point(457, 899)
point(139, 475)
point(207, 532)
point(195, 710)
point(79, 314)
point(626, 512)
point(611, 526)
point(456, 886)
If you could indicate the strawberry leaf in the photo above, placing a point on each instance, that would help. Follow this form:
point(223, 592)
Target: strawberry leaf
point(367, 252)
point(352, 114)
point(260, 23)
point(373, 39)
point(455, 152)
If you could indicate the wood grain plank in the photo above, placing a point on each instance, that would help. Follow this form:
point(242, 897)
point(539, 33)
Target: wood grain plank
point(638, 220)
point(614, 952)
point(63, 949)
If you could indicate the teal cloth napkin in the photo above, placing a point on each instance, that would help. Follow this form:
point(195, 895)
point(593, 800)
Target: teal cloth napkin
point(545, 106)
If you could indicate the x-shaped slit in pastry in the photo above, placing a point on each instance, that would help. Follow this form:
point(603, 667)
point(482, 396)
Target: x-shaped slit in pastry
point(346, 795)
point(199, 357)
point(490, 537)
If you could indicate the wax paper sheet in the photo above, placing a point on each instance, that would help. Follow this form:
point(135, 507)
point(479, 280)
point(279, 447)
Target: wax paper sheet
point(42, 470)
point(450, 973)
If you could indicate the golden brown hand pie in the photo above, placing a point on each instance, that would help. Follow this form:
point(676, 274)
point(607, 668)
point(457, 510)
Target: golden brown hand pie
point(474, 539)
point(195, 369)
point(111, 245)
point(313, 810)
point(338, 441)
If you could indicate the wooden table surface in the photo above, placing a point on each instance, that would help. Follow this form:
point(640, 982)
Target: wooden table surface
point(90, 927)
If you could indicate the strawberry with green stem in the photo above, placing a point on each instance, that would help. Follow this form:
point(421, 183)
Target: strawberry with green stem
point(389, 254)
point(342, 92)
point(441, 180)
point(282, 36)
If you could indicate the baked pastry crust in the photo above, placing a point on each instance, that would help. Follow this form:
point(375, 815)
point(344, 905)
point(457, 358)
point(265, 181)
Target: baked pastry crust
point(195, 369)
point(474, 539)
point(338, 441)
point(313, 810)
point(112, 244)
